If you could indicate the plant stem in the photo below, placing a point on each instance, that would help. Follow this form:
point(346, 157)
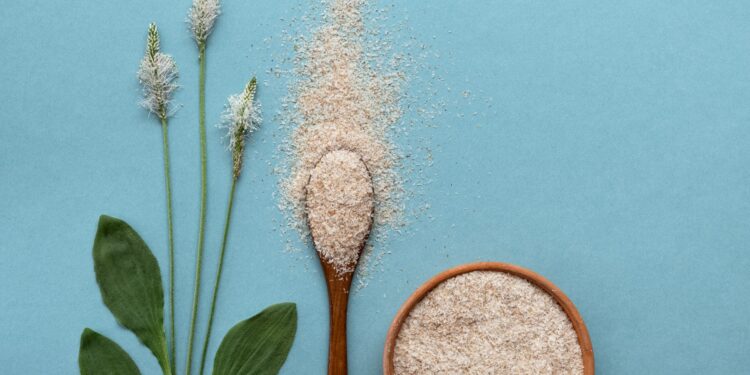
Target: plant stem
point(201, 227)
point(164, 360)
point(218, 276)
point(168, 186)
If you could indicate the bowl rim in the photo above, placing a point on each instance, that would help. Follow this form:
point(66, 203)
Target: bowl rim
point(584, 341)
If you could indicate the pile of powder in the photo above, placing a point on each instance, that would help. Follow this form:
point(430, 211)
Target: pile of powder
point(487, 322)
point(339, 208)
point(339, 100)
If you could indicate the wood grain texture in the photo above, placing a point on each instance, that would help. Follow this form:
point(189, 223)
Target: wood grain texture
point(565, 303)
point(338, 301)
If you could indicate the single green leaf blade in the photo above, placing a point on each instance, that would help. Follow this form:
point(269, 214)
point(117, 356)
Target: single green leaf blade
point(130, 283)
point(99, 355)
point(259, 345)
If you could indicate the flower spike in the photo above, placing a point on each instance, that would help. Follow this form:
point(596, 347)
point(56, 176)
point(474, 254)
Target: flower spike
point(157, 74)
point(241, 118)
point(202, 17)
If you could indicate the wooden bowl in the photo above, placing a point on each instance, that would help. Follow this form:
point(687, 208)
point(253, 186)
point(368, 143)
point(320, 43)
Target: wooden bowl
point(583, 335)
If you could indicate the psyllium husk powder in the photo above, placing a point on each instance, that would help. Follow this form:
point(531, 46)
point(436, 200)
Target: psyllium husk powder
point(341, 99)
point(487, 322)
point(339, 208)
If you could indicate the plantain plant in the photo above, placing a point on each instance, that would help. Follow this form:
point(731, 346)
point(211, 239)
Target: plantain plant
point(201, 18)
point(130, 283)
point(128, 273)
point(240, 119)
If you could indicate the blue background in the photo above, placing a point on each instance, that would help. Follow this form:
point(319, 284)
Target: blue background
point(609, 152)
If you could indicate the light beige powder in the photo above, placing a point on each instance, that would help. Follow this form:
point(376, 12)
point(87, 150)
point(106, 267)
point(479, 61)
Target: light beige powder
point(487, 322)
point(341, 101)
point(339, 208)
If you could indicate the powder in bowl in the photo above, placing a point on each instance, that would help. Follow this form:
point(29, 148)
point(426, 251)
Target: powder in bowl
point(339, 205)
point(487, 322)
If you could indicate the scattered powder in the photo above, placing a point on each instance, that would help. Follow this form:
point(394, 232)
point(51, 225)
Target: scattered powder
point(487, 322)
point(339, 208)
point(341, 100)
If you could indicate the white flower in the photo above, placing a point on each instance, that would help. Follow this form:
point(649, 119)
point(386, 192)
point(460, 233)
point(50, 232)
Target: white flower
point(202, 17)
point(241, 118)
point(157, 75)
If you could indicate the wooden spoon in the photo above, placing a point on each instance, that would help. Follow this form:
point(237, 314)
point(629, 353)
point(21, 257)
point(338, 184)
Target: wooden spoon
point(339, 207)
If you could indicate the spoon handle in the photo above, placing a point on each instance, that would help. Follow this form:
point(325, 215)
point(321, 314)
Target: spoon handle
point(338, 297)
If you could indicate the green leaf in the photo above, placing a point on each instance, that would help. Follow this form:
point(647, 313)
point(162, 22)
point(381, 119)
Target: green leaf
point(260, 344)
point(99, 355)
point(130, 282)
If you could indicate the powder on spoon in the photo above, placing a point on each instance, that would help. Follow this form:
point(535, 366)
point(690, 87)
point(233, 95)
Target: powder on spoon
point(340, 100)
point(487, 322)
point(339, 208)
